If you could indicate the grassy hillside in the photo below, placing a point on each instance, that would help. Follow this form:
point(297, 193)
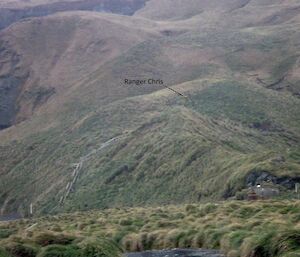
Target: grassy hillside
point(266, 228)
point(186, 148)
point(240, 115)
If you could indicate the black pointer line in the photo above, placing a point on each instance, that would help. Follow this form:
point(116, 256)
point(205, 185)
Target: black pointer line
point(176, 92)
point(180, 94)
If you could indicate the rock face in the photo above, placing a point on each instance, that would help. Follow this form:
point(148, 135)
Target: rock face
point(125, 7)
point(258, 177)
point(178, 253)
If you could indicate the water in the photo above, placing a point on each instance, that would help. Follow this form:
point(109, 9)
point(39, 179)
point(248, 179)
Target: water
point(10, 217)
point(178, 253)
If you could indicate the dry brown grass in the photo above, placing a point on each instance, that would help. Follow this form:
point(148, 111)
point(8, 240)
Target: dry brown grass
point(237, 228)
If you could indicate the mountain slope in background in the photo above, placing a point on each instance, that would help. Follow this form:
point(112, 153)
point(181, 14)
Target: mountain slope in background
point(12, 11)
point(63, 97)
point(76, 45)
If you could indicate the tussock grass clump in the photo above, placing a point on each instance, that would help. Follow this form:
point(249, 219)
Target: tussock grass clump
point(101, 248)
point(60, 251)
point(3, 253)
point(206, 209)
point(20, 250)
point(125, 222)
point(5, 232)
point(288, 240)
point(48, 238)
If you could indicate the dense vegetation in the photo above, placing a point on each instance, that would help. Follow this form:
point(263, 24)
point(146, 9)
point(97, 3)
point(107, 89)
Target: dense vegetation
point(260, 229)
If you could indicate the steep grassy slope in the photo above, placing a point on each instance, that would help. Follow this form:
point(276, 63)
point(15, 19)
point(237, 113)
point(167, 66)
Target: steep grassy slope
point(239, 229)
point(169, 148)
point(38, 67)
point(239, 119)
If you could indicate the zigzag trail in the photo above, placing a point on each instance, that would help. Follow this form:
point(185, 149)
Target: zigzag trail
point(78, 166)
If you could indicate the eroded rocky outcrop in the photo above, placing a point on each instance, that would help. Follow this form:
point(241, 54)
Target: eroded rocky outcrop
point(258, 177)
